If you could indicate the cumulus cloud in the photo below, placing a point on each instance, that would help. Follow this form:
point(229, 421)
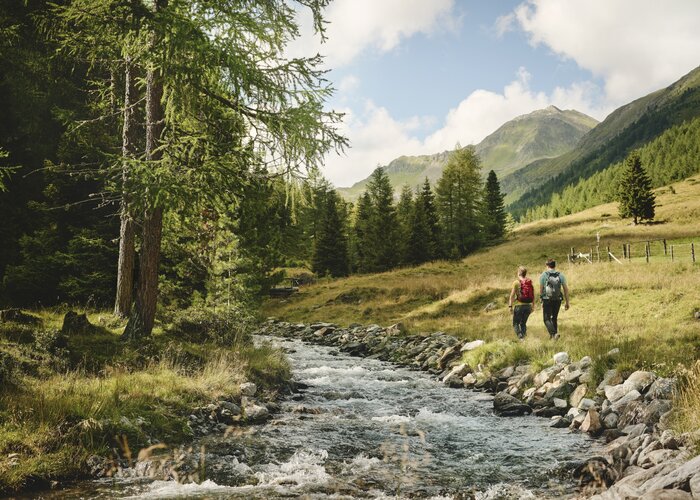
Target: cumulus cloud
point(376, 137)
point(355, 26)
point(635, 46)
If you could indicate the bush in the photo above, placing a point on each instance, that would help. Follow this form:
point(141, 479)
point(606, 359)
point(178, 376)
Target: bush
point(205, 325)
point(50, 340)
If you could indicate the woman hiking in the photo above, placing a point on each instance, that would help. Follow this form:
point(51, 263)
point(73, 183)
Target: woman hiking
point(521, 302)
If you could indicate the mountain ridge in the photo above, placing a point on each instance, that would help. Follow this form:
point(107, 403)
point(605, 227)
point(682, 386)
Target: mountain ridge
point(546, 132)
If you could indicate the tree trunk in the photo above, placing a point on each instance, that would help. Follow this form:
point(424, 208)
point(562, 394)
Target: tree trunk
point(127, 252)
point(143, 314)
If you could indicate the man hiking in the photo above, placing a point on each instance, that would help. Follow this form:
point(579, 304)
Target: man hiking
point(521, 302)
point(553, 288)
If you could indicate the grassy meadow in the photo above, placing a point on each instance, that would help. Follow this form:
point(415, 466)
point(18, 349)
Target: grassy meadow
point(95, 394)
point(644, 309)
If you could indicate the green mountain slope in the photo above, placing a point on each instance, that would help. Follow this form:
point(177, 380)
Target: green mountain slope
point(544, 133)
point(625, 129)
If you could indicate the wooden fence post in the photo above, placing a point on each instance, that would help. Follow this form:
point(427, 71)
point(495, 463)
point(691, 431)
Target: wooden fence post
point(608, 249)
point(646, 248)
point(624, 250)
point(629, 251)
point(665, 249)
point(671, 253)
point(597, 251)
point(692, 251)
point(649, 247)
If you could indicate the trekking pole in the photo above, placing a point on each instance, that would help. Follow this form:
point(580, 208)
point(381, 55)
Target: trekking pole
point(608, 249)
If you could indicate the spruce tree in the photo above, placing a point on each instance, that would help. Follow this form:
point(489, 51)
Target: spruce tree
point(459, 197)
point(404, 215)
point(636, 198)
point(382, 230)
point(419, 243)
point(361, 234)
point(331, 245)
point(494, 216)
point(427, 200)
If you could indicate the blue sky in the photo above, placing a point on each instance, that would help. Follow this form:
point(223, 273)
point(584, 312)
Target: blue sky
point(418, 76)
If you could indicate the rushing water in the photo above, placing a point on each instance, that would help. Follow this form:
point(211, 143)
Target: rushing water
point(367, 429)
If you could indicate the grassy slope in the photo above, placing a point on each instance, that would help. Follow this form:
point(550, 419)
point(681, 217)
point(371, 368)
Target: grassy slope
point(58, 408)
point(645, 309)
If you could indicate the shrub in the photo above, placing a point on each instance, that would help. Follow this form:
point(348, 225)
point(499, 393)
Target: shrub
point(205, 325)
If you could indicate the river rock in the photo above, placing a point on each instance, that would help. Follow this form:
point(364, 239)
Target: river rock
point(547, 375)
point(633, 431)
point(611, 377)
point(248, 389)
point(254, 412)
point(561, 358)
point(649, 414)
point(469, 380)
point(668, 440)
point(678, 478)
point(586, 404)
point(694, 484)
point(506, 405)
point(506, 373)
point(396, 329)
point(454, 378)
point(585, 362)
point(639, 381)
point(447, 355)
point(610, 420)
point(578, 394)
point(624, 400)
point(594, 471)
point(560, 422)
point(591, 424)
point(614, 392)
point(662, 388)
point(470, 346)
point(560, 403)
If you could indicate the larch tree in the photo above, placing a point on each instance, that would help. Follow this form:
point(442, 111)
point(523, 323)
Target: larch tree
point(635, 196)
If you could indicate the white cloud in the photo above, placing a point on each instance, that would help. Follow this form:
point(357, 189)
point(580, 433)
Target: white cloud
point(376, 137)
point(348, 84)
point(504, 24)
point(636, 46)
point(357, 25)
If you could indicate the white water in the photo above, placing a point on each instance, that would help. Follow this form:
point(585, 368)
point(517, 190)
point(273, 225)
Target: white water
point(367, 429)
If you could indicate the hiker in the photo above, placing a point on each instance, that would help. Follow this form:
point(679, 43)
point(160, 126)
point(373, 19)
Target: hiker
point(522, 293)
point(553, 289)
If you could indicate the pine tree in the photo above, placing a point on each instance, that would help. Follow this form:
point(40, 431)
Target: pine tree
point(419, 243)
point(494, 216)
point(331, 245)
point(459, 198)
point(382, 230)
point(636, 198)
point(404, 215)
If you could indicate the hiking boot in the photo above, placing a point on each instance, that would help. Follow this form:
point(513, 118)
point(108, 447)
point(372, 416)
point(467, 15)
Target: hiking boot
point(556, 336)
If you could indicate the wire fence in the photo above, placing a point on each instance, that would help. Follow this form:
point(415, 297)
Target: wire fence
point(636, 251)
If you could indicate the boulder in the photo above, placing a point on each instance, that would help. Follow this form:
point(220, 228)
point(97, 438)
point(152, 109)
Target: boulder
point(550, 411)
point(633, 431)
point(626, 399)
point(591, 424)
point(694, 484)
point(470, 346)
point(563, 391)
point(595, 471)
point(506, 405)
point(506, 373)
point(560, 403)
point(586, 404)
point(255, 413)
point(447, 355)
point(454, 378)
point(469, 379)
point(248, 389)
point(561, 358)
point(560, 422)
point(610, 420)
point(666, 495)
point(547, 375)
point(668, 440)
point(611, 377)
point(662, 388)
point(678, 478)
point(639, 381)
point(578, 394)
point(639, 412)
point(585, 362)
point(614, 392)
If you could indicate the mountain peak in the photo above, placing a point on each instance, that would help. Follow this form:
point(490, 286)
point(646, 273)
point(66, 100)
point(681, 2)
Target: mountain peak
point(552, 108)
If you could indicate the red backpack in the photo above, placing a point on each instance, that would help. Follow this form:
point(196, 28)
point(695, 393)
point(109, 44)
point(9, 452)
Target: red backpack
point(527, 291)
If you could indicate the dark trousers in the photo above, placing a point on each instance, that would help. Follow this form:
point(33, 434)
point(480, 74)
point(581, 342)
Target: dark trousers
point(520, 315)
point(550, 311)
